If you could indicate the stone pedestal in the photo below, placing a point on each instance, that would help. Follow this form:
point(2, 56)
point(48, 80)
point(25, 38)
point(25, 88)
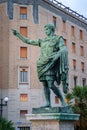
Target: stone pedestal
point(52, 121)
point(52, 125)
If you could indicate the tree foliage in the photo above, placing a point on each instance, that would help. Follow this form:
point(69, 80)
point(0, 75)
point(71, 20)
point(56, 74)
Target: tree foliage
point(80, 95)
point(5, 124)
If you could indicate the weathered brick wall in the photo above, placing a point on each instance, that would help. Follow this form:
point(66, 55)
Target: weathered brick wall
point(4, 47)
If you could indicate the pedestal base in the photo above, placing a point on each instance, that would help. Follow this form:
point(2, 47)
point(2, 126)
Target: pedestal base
point(52, 125)
point(66, 109)
point(52, 121)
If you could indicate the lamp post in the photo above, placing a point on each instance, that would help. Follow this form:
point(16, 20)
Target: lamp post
point(3, 103)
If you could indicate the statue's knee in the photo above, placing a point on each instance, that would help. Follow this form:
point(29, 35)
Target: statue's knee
point(52, 87)
point(50, 84)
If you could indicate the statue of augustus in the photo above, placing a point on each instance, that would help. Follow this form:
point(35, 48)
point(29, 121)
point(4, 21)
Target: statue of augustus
point(52, 65)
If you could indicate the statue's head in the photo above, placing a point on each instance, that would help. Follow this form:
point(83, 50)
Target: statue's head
point(50, 26)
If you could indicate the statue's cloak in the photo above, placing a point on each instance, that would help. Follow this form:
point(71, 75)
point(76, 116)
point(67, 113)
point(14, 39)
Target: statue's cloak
point(58, 60)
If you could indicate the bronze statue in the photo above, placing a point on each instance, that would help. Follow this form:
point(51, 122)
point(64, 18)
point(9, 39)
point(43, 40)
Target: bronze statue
point(52, 65)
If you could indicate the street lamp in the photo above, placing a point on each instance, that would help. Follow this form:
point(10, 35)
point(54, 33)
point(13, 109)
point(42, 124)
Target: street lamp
point(5, 100)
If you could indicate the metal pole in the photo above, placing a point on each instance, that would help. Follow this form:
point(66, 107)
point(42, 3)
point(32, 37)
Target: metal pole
point(1, 106)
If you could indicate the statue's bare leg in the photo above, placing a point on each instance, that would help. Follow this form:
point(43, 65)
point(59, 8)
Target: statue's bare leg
point(46, 93)
point(57, 92)
point(65, 87)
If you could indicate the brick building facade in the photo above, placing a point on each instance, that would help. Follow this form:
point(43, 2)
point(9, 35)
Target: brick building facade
point(18, 76)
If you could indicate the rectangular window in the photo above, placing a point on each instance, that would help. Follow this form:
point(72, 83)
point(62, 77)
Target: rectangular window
point(23, 112)
point(82, 66)
point(23, 97)
point(23, 128)
point(23, 76)
point(74, 64)
point(23, 52)
point(83, 82)
point(73, 47)
point(23, 31)
point(64, 26)
point(54, 21)
point(72, 30)
point(23, 12)
point(65, 42)
point(75, 80)
point(56, 99)
point(81, 50)
point(81, 34)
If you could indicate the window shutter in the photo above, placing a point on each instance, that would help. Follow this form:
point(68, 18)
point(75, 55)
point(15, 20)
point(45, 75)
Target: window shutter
point(72, 30)
point(73, 47)
point(23, 97)
point(64, 26)
point(23, 31)
point(65, 42)
point(23, 10)
point(74, 64)
point(81, 50)
point(82, 66)
point(81, 35)
point(23, 52)
point(23, 112)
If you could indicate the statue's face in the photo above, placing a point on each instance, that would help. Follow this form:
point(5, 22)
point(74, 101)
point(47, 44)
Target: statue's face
point(48, 31)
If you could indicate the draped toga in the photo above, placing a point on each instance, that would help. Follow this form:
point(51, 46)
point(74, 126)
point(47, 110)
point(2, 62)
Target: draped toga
point(53, 61)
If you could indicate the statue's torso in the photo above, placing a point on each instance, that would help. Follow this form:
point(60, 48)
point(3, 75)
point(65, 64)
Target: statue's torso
point(48, 46)
point(46, 49)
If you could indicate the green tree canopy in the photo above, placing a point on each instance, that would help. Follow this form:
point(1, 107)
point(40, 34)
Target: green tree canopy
point(5, 124)
point(79, 94)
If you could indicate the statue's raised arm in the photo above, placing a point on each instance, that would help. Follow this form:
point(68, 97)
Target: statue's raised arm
point(25, 39)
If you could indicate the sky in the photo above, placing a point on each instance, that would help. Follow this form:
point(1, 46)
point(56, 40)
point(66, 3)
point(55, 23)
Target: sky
point(80, 6)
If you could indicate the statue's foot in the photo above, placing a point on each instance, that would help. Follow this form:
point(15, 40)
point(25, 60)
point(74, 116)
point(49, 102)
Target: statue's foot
point(45, 106)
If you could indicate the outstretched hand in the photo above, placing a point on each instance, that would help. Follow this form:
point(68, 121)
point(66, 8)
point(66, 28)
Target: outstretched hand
point(15, 32)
